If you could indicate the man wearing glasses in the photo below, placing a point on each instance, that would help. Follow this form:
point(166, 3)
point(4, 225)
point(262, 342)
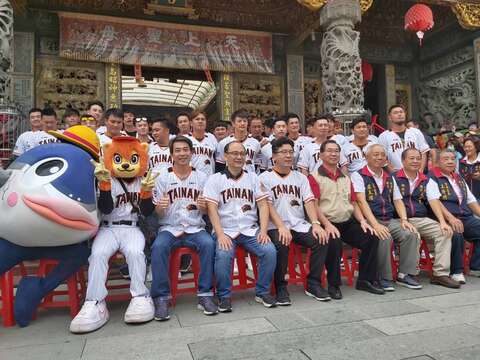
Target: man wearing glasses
point(89, 121)
point(343, 221)
point(142, 130)
point(289, 197)
point(233, 196)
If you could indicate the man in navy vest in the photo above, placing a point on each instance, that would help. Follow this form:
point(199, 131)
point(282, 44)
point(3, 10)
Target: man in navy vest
point(379, 197)
point(413, 186)
point(459, 208)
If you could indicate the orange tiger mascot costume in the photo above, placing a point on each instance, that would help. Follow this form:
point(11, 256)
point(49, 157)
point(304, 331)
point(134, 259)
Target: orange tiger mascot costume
point(124, 192)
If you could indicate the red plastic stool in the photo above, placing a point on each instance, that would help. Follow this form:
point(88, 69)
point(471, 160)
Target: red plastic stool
point(6, 289)
point(348, 269)
point(467, 256)
point(425, 263)
point(175, 257)
point(295, 257)
point(244, 280)
point(125, 285)
point(395, 260)
point(75, 289)
point(7, 294)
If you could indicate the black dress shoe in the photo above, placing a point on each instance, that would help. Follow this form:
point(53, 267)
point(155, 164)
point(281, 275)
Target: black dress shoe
point(369, 287)
point(335, 292)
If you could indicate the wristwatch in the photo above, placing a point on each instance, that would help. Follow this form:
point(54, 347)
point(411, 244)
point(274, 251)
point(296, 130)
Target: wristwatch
point(316, 222)
point(404, 219)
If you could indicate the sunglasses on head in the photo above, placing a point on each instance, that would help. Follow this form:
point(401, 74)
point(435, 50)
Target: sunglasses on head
point(87, 118)
point(141, 119)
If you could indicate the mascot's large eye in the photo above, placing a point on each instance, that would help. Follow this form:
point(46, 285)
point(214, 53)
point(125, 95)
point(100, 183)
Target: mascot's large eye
point(134, 159)
point(49, 168)
point(117, 159)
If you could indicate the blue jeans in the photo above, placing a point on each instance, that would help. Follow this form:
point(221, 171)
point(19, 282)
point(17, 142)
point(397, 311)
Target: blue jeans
point(71, 258)
point(267, 261)
point(471, 233)
point(161, 249)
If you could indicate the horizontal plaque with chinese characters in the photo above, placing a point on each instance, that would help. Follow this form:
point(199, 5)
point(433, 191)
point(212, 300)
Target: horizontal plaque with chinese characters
point(129, 41)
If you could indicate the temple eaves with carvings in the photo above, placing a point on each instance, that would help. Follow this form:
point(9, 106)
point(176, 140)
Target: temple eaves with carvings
point(297, 18)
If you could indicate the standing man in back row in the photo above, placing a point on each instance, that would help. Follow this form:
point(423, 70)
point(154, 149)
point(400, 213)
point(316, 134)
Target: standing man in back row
point(309, 158)
point(204, 144)
point(240, 124)
point(400, 138)
point(25, 140)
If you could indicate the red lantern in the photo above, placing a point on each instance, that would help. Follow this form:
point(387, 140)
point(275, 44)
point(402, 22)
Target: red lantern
point(367, 72)
point(419, 18)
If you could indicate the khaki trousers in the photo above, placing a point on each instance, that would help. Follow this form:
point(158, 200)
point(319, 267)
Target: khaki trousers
point(430, 231)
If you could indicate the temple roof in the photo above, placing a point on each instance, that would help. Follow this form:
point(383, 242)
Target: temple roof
point(382, 20)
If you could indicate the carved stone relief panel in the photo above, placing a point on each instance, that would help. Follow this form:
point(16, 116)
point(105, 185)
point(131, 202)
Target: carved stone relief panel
point(261, 95)
point(313, 97)
point(450, 97)
point(443, 63)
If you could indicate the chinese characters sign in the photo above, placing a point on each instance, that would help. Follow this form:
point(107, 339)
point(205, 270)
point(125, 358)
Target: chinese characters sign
point(129, 41)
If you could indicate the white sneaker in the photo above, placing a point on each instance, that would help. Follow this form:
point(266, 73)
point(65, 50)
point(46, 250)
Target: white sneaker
point(459, 278)
point(140, 310)
point(92, 316)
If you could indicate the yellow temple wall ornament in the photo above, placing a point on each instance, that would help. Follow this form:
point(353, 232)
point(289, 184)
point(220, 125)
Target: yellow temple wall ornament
point(315, 5)
point(468, 15)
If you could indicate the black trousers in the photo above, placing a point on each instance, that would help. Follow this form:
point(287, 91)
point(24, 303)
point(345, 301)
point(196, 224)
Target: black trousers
point(352, 234)
point(317, 257)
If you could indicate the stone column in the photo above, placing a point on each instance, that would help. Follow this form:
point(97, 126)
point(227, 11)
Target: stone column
point(341, 64)
point(390, 85)
point(295, 90)
point(6, 37)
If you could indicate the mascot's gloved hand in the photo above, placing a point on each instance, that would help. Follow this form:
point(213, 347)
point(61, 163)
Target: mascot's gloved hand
point(102, 174)
point(147, 184)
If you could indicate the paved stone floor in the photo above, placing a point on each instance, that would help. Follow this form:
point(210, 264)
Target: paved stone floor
point(433, 323)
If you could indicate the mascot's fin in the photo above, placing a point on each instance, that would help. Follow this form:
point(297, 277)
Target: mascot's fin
point(30, 292)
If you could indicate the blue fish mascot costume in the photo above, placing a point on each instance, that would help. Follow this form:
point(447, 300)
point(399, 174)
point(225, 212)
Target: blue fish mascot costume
point(48, 211)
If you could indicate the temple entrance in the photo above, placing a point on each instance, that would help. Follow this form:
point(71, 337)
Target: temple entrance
point(163, 91)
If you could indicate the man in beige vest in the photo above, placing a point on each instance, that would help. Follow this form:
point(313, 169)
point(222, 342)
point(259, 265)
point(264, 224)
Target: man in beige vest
point(343, 221)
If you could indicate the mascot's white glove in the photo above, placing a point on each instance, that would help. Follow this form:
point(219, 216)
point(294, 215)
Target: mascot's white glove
point(102, 174)
point(148, 182)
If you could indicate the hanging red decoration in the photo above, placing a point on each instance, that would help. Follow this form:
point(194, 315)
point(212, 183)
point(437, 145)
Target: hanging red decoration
point(367, 72)
point(419, 18)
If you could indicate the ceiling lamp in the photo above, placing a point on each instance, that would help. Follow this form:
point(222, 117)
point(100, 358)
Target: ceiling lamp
point(419, 18)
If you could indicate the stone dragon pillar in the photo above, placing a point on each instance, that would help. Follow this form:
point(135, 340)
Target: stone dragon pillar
point(6, 37)
point(341, 63)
